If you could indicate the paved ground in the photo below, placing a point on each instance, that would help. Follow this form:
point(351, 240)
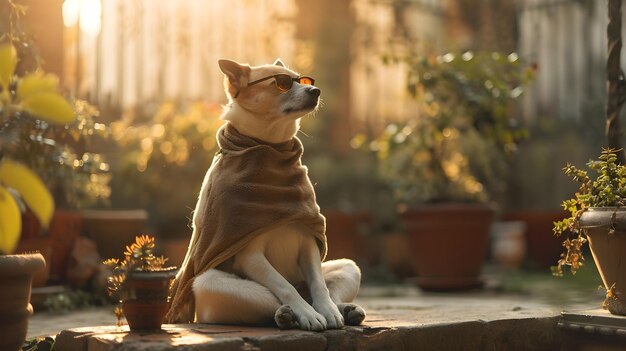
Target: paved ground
point(432, 322)
point(464, 305)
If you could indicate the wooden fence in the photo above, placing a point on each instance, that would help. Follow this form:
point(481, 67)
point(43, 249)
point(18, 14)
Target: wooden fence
point(567, 40)
point(150, 50)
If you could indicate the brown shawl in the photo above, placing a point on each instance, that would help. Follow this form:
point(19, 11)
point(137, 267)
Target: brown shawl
point(252, 187)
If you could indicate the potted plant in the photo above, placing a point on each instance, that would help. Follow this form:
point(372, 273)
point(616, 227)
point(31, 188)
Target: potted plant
point(597, 216)
point(446, 164)
point(23, 99)
point(596, 213)
point(58, 153)
point(141, 284)
point(76, 178)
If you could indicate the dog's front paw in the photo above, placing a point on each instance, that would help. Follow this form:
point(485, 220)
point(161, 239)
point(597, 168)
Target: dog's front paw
point(352, 314)
point(285, 318)
point(329, 310)
point(290, 317)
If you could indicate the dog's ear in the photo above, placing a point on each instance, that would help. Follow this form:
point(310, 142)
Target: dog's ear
point(278, 62)
point(238, 75)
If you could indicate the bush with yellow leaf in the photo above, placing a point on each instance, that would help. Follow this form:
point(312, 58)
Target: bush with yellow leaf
point(164, 152)
point(457, 144)
point(58, 150)
point(34, 95)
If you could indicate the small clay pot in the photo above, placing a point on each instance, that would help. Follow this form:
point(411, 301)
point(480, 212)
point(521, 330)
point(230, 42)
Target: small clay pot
point(145, 298)
point(544, 248)
point(609, 250)
point(508, 243)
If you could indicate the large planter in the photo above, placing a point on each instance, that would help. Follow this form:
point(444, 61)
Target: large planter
point(113, 229)
point(175, 249)
point(16, 273)
point(65, 228)
point(397, 254)
point(344, 236)
point(449, 242)
point(145, 298)
point(55, 243)
point(608, 250)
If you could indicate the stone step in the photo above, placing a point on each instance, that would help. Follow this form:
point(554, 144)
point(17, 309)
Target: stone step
point(391, 324)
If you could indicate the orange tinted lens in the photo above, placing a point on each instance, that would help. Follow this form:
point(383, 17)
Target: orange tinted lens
point(306, 81)
point(283, 82)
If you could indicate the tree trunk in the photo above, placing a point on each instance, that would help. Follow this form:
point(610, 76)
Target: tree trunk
point(615, 87)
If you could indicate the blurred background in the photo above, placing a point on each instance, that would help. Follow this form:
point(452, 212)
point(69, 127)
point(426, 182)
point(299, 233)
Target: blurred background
point(473, 103)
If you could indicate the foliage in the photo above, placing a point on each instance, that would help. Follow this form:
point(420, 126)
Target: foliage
point(24, 98)
point(36, 122)
point(57, 152)
point(463, 134)
point(138, 257)
point(39, 344)
point(72, 300)
point(168, 148)
point(606, 189)
point(76, 178)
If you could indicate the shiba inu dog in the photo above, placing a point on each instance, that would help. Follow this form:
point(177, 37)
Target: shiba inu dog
point(277, 274)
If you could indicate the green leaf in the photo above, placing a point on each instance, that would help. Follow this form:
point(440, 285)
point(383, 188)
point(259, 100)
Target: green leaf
point(30, 188)
point(10, 222)
point(8, 61)
point(49, 106)
point(37, 82)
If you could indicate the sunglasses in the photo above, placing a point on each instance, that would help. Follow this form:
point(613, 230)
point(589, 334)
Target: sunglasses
point(284, 82)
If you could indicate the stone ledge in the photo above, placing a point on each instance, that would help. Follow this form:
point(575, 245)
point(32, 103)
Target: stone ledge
point(391, 325)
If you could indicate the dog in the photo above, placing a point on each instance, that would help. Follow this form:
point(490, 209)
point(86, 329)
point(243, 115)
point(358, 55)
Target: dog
point(277, 276)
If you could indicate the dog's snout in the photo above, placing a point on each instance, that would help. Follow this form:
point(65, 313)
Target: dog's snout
point(314, 91)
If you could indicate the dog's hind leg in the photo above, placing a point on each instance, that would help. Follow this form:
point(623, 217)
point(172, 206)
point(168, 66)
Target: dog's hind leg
point(226, 298)
point(343, 278)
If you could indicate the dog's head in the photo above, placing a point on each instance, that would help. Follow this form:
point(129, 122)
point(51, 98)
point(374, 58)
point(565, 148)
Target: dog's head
point(269, 91)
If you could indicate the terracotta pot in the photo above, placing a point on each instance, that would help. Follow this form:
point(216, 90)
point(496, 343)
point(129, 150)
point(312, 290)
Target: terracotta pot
point(64, 229)
point(30, 225)
point(544, 248)
point(59, 239)
point(345, 240)
point(175, 249)
point(449, 242)
point(608, 250)
point(16, 273)
point(397, 254)
point(113, 229)
point(44, 246)
point(145, 298)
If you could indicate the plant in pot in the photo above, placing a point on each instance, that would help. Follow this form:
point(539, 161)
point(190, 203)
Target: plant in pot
point(76, 179)
point(141, 284)
point(597, 217)
point(23, 99)
point(58, 153)
point(447, 163)
point(596, 211)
